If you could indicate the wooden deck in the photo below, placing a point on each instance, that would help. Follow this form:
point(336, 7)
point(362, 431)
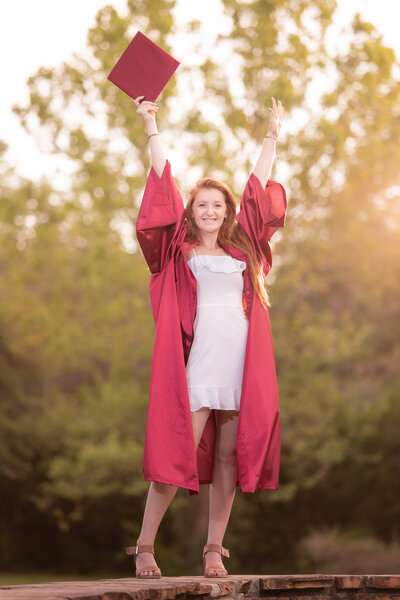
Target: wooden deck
point(238, 587)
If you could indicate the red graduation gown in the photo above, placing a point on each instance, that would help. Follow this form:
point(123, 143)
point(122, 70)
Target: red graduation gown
point(169, 452)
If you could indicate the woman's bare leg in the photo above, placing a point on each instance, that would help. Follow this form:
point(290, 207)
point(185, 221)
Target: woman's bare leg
point(159, 497)
point(223, 486)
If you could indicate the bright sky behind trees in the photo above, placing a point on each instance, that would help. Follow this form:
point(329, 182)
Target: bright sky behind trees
point(45, 33)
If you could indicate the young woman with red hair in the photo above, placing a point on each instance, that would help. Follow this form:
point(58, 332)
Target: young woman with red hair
point(213, 413)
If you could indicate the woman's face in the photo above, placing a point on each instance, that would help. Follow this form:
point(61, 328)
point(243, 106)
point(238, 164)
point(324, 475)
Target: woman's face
point(209, 209)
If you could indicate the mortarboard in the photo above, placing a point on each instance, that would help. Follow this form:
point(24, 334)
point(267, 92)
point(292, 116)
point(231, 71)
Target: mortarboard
point(144, 69)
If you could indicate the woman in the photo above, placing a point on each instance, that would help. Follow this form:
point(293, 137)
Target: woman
point(213, 413)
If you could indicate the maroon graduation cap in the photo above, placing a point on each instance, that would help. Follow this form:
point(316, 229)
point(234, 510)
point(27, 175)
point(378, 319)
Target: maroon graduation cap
point(144, 69)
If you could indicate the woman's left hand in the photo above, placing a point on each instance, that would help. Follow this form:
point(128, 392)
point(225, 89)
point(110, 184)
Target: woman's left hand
point(275, 118)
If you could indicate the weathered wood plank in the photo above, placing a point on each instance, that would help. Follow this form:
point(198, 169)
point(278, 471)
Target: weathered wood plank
point(232, 587)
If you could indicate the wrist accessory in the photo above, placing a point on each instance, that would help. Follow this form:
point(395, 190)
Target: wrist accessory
point(273, 138)
point(149, 136)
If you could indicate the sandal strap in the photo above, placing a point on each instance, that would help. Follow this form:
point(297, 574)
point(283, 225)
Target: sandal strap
point(216, 548)
point(139, 549)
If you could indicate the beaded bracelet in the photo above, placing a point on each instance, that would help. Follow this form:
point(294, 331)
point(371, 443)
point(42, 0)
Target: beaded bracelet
point(272, 138)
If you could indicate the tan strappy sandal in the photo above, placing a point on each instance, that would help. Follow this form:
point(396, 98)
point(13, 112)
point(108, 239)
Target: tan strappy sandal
point(137, 550)
point(219, 572)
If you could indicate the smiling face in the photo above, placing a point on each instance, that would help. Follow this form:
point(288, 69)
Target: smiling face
point(209, 209)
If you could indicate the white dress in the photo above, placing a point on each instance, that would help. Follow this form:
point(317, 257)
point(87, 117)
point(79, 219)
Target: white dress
point(214, 369)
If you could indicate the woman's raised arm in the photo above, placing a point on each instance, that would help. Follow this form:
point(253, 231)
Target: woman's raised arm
point(147, 112)
point(264, 163)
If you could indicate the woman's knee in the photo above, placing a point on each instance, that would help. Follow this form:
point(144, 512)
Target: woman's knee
point(226, 454)
point(163, 489)
point(225, 448)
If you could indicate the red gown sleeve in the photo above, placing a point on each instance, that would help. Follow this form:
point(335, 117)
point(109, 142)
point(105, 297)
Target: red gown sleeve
point(159, 213)
point(262, 211)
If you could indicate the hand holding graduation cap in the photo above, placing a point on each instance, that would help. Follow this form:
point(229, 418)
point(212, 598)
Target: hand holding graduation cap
point(146, 110)
point(144, 68)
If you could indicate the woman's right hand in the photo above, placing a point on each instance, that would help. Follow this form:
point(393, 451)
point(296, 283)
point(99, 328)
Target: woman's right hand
point(146, 110)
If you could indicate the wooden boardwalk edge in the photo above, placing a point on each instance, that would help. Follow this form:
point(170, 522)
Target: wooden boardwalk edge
point(237, 587)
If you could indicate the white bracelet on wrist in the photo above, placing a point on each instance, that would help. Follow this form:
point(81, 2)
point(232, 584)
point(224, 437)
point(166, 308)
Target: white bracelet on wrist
point(272, 138)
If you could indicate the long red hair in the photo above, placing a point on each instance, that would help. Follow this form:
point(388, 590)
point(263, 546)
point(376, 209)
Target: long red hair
point(230, 233)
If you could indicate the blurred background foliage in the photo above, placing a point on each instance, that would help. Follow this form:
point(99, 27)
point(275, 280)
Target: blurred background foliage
point(76, 330)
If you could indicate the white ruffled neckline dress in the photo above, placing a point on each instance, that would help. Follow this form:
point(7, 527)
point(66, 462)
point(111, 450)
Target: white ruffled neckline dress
point(214, 370)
